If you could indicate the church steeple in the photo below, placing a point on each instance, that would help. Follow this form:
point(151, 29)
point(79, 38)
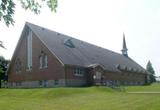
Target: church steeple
point(124, 49)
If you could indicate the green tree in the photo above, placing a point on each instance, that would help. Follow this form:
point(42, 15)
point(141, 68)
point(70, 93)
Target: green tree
point(7, 8)
point(1, 75)
point(150, 69)
point(3, 68)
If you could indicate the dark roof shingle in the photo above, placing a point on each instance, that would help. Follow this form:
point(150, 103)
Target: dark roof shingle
point(83, 54)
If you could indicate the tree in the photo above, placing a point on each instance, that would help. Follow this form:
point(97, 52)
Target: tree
point(150, 69)
point(3, 68)
point(1, 45)
point(7, 8)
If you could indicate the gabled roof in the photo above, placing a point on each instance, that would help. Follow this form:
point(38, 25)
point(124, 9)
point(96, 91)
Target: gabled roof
point(81, 53)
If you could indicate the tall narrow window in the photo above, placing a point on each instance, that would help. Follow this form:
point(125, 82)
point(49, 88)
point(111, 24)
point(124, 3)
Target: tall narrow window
point(18, 66)
point(29, 50)
point(40, 62)
point(43, 60)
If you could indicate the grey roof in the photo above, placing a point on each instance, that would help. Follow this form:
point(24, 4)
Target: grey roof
point(82, 53)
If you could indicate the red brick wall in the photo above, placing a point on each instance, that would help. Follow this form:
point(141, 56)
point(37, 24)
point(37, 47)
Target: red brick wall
point(55, 69)
point(107, 76)
point(124, 76)
point(117, 76)
point(73, 79)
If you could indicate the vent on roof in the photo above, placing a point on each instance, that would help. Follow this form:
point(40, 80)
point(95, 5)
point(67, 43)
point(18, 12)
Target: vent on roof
point(69, 43)
point(58, 34)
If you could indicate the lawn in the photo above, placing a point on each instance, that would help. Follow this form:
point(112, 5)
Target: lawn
point(88, 98)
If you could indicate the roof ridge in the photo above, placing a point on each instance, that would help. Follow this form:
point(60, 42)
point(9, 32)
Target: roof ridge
point(70, 37)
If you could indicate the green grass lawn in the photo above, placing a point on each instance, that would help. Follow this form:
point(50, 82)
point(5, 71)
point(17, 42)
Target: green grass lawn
point(152, 88)
point(89, 98)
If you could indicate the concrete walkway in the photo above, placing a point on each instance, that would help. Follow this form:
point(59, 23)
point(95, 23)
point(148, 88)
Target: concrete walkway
point(151, 92)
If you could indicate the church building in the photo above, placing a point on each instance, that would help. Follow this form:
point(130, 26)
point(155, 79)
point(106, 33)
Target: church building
point(45, 58)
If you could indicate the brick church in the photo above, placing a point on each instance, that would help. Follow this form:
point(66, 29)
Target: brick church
point(45, 58)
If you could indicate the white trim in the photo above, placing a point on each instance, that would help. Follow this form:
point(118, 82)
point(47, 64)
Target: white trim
point(29, 50)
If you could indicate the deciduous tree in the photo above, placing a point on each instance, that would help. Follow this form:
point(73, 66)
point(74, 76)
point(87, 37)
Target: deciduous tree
point(3, 68)
point(7, 8)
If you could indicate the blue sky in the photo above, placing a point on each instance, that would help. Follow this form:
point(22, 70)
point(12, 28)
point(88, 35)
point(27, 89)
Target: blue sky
point(101, 22)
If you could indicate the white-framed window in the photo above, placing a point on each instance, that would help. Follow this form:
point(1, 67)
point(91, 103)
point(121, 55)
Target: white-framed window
point(79, 71)
point(29, 50)
point(40, 62)
point(43, 60)
point(18, 66)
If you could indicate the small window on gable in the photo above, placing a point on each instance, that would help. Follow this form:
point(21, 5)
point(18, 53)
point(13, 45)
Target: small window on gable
point(18, 65)
point(43, 60)
point(69, 43)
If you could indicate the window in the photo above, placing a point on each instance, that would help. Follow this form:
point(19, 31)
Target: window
point(18, 66)
point(43, 60)
point(45, 83)
point(78, 71)
point(40, 61)
point(69, 43)
point(56, 82)
point(40, 83)
point(18, 84)
point(29, 50)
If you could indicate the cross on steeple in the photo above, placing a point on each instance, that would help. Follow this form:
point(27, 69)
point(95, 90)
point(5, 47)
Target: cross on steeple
point(124, 49)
